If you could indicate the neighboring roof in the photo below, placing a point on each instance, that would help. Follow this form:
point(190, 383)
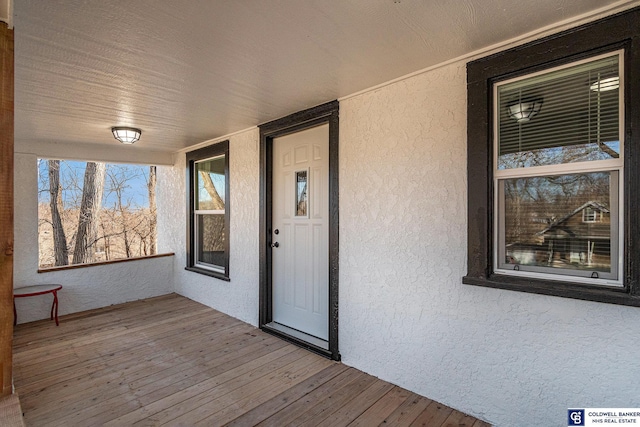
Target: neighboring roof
point(590, 204)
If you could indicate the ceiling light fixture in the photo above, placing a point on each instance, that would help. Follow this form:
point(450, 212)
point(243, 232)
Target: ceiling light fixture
point(126, 135)
point(607, 84)
point(524, 109)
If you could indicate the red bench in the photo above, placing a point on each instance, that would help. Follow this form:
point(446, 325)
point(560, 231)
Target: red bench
point(35, 290)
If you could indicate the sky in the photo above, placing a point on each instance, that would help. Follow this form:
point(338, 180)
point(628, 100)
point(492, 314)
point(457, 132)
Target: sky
point(132, 177)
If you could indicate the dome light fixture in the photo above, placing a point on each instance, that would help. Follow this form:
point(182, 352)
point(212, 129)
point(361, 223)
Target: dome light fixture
point(523, 110)
point(126, 135)
point(604, 85)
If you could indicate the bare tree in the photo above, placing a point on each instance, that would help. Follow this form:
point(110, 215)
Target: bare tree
point(216, 200)
point(61, 251)
point(87, 233)
point(106, 237)
point(102, 210)
point(213, 225)
point(118, 178)
point(151, 187)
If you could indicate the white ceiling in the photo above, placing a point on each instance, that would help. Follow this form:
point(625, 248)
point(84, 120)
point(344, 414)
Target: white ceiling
point(186, 71)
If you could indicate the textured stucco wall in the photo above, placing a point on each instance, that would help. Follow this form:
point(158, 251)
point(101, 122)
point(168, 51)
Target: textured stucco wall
point(508, 357)
point(238, 297)
point(84, 288)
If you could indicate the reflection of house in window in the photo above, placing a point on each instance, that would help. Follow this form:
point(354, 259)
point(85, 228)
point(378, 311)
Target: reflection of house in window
point(583, 237)
point(591, 214)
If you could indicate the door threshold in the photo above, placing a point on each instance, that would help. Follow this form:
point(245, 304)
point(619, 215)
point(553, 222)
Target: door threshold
point(295, 336)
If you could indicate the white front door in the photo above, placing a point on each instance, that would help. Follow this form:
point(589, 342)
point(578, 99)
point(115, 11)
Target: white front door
point(300, 231)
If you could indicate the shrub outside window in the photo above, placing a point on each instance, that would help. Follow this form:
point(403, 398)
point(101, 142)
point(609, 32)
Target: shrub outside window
point(208, 240)
point(558, 162)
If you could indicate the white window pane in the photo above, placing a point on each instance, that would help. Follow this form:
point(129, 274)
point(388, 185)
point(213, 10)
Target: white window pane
point(562, 223)
point(210, 180)
point(565, 116)
point(210, 241)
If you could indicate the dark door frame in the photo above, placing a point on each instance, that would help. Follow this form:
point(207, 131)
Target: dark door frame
point(316, 116)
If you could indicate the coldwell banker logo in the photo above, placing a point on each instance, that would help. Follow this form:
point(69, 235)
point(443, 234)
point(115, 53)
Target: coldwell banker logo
point(576, 417)
point(589, 417)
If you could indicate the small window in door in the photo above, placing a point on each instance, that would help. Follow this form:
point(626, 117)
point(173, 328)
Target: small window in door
point(302, 194)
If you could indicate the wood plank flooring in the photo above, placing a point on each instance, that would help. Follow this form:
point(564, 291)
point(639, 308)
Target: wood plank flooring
point(172, 361)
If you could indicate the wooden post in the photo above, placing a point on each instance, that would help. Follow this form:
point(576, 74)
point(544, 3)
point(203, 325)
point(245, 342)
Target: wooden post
point(6, 207)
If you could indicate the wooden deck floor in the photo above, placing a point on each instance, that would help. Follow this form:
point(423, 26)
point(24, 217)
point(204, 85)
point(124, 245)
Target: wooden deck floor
point(172, 361)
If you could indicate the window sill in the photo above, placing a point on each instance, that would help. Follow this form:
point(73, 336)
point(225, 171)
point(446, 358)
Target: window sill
point(94, 264)
point(580, 291)
point(210, 273)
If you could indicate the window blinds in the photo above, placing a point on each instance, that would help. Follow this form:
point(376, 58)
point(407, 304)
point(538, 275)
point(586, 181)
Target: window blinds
point(578, 106)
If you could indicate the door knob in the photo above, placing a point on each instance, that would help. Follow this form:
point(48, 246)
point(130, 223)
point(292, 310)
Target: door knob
point(275, 245)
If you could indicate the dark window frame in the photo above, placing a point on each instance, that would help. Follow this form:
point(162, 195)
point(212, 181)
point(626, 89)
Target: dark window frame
point(619, 31)
point(218, 149)
point(322, 114)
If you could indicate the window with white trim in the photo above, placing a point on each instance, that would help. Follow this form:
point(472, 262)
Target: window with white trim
point(208, 240)
point(558, 167)
point(591, 214)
